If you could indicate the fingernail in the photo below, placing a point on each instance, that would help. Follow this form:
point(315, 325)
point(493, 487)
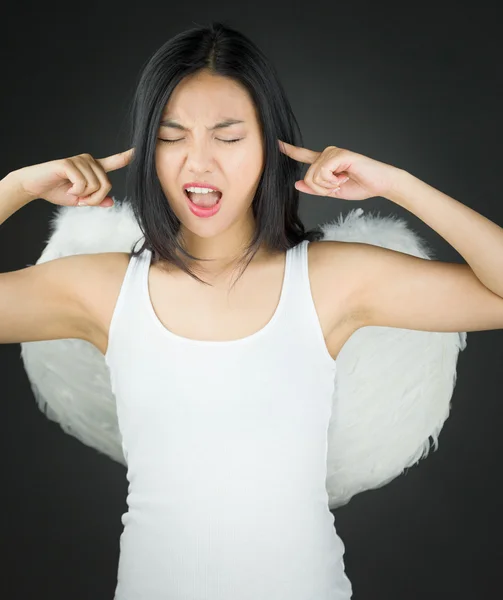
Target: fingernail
point(345, 179)
point(81, 203)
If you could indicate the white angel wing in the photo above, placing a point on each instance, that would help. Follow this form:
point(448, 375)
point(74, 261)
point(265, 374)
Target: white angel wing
point(393, 386)
point(70, 378)
point(392, 390)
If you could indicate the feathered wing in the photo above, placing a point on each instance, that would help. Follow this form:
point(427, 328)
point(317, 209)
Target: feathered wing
point(70, 378)
point(392, 389)
point(393, 386)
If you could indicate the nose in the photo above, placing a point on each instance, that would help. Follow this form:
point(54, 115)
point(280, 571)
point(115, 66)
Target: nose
point(200, 157)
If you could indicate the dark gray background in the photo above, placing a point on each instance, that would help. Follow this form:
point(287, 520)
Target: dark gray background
point(418, 87)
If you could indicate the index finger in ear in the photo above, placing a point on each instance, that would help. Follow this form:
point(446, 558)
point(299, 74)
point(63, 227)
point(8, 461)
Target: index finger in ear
point(116, 161)
point(301, 154)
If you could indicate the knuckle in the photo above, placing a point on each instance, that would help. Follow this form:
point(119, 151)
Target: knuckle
point(98, 197)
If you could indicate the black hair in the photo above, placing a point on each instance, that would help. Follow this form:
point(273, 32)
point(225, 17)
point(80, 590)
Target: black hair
point(220, 50)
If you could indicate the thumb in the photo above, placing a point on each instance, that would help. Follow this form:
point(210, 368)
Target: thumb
point(304, 188)
point(116, 161)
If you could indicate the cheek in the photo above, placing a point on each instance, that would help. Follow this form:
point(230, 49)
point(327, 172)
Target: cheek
point(165, 173)
point(246, 166)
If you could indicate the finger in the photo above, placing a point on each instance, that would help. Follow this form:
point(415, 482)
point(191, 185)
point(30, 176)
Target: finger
point(99, 196)
point(116, 161)
point(326, 178)
point(311, 178)
point(80, 185)
point(92, 183)
point(301, 154)
point(70, 171)
point(321, 190)
point(306, 189)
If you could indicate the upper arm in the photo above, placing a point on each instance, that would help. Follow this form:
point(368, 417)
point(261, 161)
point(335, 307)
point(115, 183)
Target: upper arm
point(46, 301)
point(394, 289)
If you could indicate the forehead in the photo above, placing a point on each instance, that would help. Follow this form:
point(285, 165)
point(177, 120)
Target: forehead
point(208, 97)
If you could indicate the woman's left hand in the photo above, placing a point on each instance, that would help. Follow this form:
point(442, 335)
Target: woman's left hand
point(358, 177)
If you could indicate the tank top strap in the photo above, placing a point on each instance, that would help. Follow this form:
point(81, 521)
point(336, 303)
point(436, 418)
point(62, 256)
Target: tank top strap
point(300, 309)
point(136, 274)
point(129, 301)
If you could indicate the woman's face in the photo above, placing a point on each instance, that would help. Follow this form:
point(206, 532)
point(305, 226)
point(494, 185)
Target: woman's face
point(199, 153)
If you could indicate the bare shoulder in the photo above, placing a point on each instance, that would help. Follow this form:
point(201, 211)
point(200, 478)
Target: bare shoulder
point(97, 288)
point(63, 298)
point(335, 269)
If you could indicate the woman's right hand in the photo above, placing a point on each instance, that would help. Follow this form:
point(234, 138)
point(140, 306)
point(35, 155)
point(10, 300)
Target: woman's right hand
point(72, 181)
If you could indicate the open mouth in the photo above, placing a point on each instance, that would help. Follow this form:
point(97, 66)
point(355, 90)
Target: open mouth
point(204, 211)
point(207, 200)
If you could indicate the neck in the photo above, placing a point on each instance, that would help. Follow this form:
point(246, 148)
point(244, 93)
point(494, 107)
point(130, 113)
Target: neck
point(223, 251)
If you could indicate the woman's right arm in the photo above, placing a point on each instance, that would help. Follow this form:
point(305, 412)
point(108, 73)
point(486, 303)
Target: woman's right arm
point(51, 300)
point(39, 302)
point(12, 197)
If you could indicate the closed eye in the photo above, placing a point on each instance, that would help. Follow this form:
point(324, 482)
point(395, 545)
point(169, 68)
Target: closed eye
point(225, 141)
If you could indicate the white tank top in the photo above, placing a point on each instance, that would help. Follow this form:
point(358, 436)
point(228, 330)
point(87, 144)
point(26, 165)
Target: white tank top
point(226, 451)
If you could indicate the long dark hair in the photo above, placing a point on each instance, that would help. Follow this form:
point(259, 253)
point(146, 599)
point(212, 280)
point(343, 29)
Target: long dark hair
point(220, 50)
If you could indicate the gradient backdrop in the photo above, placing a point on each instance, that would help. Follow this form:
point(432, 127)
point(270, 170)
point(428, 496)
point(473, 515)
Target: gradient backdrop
point(418, 87)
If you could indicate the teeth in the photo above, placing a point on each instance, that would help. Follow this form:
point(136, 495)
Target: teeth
point(198, 190)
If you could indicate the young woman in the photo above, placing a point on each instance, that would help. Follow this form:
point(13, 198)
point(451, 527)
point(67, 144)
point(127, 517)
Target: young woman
point(227, 288)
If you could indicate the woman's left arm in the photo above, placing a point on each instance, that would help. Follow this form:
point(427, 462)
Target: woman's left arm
point(394, 289)
point(477, 239)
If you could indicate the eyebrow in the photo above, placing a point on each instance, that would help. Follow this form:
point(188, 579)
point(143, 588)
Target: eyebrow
point(220, 125)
